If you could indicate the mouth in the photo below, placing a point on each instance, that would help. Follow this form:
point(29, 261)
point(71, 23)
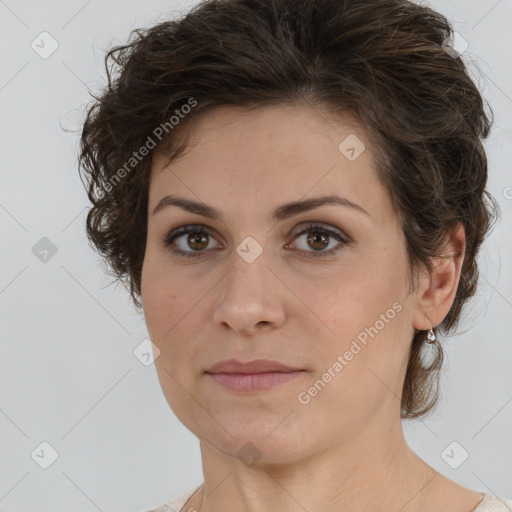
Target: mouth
point(253, 376)
point(254, 382)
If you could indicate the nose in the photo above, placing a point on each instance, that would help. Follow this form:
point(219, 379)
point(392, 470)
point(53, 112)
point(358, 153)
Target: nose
point(251, 298)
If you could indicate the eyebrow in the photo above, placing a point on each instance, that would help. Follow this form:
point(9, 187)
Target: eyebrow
point(283, 212)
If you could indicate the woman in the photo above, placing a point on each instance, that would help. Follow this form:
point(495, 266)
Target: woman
point(295, 193)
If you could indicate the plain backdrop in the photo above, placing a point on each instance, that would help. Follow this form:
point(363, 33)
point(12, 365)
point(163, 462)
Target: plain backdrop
point(72, 388)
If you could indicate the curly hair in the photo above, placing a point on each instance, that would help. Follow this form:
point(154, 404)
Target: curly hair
point(385, 62)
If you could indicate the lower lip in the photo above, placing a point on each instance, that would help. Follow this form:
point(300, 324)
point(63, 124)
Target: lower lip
point(251, 382)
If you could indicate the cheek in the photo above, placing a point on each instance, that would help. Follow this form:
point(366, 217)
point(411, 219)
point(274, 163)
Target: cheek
point(166, 304)
point(158, 304)
point(359, 316)
point(163, 296)
point(170, 306)
point(346, 303)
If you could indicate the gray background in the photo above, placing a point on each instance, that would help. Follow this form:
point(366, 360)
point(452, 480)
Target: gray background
point(69, 376)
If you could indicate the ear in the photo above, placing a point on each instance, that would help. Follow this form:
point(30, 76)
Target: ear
point(436, 292)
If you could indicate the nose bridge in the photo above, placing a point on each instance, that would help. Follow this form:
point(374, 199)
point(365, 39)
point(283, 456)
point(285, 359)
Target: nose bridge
point(247, 297)
point(249, 268)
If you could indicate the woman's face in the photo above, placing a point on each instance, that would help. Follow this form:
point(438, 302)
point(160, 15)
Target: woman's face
point(332, 302)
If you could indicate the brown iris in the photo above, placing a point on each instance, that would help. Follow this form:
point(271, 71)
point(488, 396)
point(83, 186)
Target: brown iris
point(197, 238)
point(318, 237)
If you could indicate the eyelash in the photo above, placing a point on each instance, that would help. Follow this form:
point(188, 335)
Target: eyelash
point(198, 228)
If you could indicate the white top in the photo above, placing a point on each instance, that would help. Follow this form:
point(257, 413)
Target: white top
point(489, 503)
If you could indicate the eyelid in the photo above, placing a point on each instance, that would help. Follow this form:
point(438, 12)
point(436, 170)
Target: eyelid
point(325, 226)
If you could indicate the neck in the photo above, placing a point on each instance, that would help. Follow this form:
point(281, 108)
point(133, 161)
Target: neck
point(373, 470)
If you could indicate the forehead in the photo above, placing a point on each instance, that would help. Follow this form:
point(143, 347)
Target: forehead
point(271, 154)
point(281, 136)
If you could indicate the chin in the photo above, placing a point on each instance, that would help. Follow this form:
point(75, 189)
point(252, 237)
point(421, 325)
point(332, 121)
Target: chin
point(259, 452)
point(256, 441)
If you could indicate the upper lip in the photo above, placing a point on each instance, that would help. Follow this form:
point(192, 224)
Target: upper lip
point(255, 366)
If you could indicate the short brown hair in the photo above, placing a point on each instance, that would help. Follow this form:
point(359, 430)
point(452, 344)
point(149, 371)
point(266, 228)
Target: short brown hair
point(383, 61)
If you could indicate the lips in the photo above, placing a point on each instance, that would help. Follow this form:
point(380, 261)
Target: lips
point(254, 376)
point(251, 367)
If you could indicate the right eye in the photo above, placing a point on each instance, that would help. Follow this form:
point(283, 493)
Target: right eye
point(197, 240)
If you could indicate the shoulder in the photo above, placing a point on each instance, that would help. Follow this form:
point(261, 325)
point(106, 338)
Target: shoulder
point(176, 504)
point(491, 503)
point(446, 494)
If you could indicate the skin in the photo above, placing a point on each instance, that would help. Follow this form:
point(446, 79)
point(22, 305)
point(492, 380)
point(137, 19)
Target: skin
point(290, 306)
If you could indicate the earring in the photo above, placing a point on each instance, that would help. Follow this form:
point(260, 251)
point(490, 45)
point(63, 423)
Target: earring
point(431, 337)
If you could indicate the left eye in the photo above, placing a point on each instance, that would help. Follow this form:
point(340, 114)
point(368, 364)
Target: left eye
point(198, 236)
point(318, 239)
